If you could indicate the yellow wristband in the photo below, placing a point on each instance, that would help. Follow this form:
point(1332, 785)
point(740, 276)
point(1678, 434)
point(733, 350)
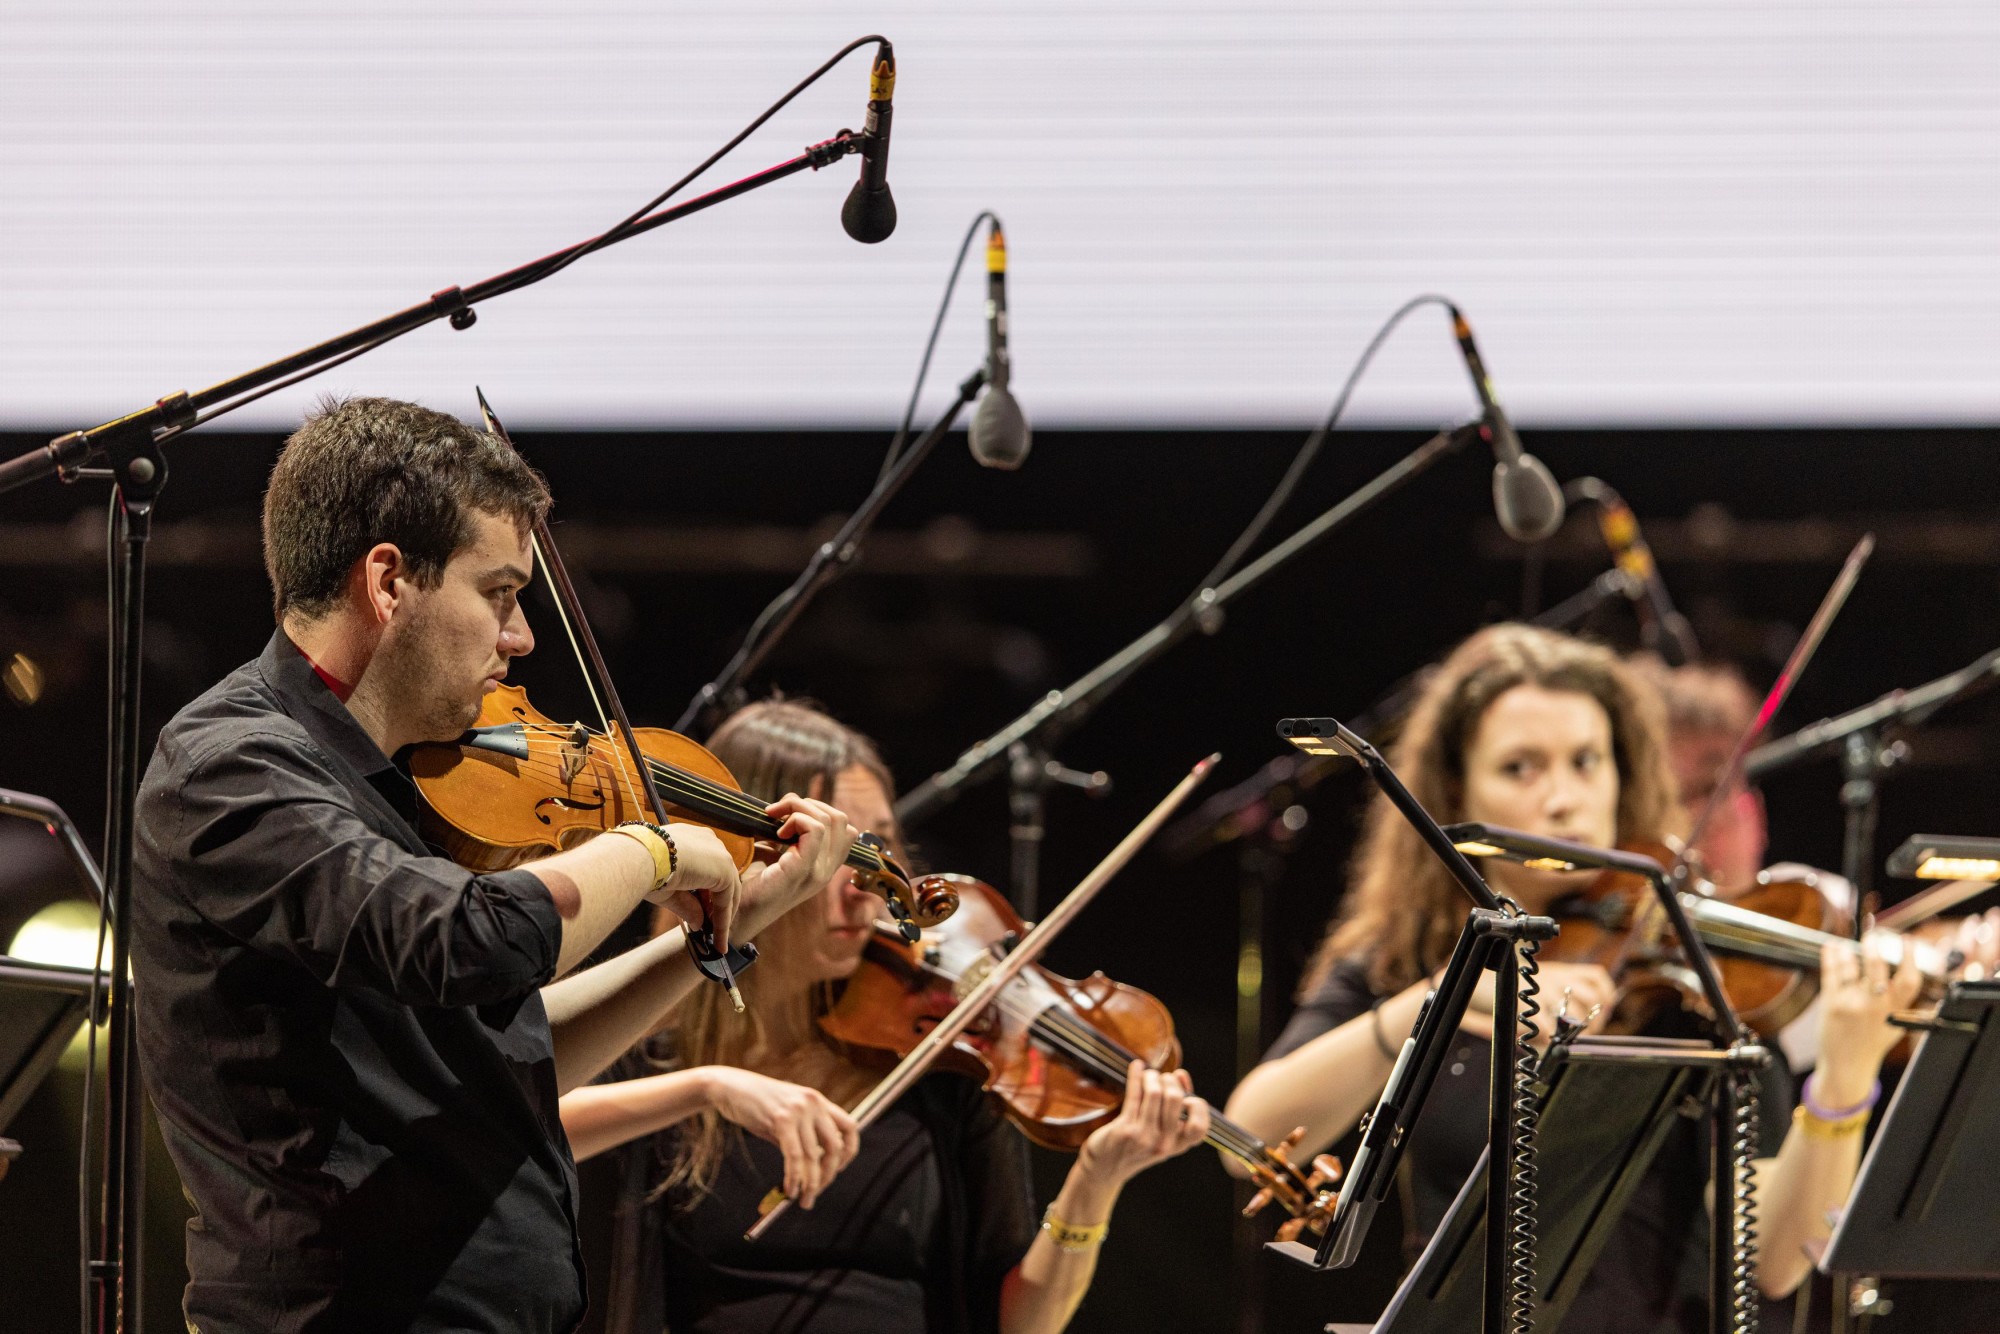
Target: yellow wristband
point(657, 846)
point(1815, 1128)
point(1068, 1237)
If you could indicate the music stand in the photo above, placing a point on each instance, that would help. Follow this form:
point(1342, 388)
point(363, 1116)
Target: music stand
point(41, 1005)
point(41, 1008)
point(1610, 1106)
point(1922, 1206)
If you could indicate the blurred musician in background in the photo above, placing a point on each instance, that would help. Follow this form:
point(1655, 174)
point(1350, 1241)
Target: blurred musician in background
point(1709, 708)
point(930, 1228)
point(1543, 732)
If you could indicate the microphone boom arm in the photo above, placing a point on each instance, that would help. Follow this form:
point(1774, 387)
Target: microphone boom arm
point(828, 563)
point(1061, 710)
point(141, 432)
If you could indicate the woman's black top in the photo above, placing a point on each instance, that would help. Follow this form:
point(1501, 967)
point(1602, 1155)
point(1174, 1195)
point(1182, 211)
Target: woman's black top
point(915, 1237)
point(1652, 1273)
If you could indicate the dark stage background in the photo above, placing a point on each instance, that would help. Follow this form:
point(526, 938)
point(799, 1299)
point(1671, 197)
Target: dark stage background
point(984, 590)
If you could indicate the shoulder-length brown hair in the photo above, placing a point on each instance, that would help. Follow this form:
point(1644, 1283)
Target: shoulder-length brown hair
point(772, 747)
point(1403, 911)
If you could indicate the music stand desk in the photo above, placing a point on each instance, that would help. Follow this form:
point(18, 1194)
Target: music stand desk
point(41, 1008)
point(1923, 1205)
point(1611, 1104)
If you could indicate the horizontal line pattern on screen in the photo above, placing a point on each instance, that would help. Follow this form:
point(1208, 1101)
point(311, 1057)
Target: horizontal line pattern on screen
point(1686, 212)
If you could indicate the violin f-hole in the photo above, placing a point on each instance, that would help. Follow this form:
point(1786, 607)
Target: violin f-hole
point(569, 804)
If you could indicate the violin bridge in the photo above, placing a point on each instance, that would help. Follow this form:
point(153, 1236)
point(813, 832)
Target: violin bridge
point(575, 752)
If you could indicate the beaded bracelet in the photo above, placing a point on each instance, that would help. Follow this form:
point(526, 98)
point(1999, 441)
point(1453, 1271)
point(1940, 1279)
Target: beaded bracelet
point(1069, 1237)
point(1835, 1115)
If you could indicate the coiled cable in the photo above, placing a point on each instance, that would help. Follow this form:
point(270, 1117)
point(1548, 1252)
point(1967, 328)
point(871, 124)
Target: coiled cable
point(1527, 1116)
point(1744, 1094)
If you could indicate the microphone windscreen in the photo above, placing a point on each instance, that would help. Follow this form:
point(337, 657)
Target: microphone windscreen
point(999, 434)
point(1526, 498)
point(869, 215)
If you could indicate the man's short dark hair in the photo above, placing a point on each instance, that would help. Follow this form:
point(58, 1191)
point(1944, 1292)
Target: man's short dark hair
point(371, 470)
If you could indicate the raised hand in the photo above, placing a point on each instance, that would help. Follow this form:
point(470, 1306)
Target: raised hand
point(1160, 1118)
point(820, 836)
point(1857, 996)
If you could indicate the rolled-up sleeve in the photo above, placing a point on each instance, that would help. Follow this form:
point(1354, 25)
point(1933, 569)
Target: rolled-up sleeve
point(287, 866)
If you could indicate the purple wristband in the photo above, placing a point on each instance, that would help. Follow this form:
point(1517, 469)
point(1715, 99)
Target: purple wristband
point(1819, 1113)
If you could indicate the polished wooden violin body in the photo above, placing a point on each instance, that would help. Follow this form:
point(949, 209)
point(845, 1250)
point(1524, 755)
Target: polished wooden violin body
point(520, 785)
point(1053, 1050)
point(1766, 940)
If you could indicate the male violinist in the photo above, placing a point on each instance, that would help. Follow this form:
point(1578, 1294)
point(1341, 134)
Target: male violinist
point(354, 1045)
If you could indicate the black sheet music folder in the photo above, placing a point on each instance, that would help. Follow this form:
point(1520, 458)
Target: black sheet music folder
point(1611, 1104)
point(41, 1008)
point(1924, 1205)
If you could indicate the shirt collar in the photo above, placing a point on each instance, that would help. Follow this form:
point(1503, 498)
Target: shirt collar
point(308, 699)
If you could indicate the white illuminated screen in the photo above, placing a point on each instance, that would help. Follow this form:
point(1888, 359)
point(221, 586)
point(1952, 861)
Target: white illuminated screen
point(1653, 212)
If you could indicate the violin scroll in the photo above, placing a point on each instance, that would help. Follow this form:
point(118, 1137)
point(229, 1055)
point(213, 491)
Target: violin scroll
point(1308, 1197)
point(933, 899)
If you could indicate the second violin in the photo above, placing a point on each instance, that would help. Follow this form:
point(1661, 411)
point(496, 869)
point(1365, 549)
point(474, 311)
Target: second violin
point(1053, 1050)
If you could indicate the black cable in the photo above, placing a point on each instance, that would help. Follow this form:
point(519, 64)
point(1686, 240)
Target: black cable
point(1527, 1111)
point(608, 237)
point(558, 265)
point(1743, 1289)
point(113, 577)
point(223, 409)
point(930, 345)
point(782, 603)
point(1310, 449)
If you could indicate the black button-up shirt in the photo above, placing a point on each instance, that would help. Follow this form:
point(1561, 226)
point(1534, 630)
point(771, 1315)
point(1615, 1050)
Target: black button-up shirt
point(343, 1033)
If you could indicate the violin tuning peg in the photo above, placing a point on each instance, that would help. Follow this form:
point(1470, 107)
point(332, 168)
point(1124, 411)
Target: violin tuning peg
point(1290, 1229)
point(1257, 1203)
point(1291, 1141)
point(1326, 1170)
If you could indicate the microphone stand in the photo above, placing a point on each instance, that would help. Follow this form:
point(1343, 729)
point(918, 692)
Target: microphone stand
point(725, 694)
point(1494, 936)
point(1240, 811)
point(138, 470)
point(1060, 711)
point(1864, 758)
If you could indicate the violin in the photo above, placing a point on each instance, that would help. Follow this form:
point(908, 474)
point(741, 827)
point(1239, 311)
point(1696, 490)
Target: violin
point(1766, 940)
point(520, 785)
point(1053, 1050)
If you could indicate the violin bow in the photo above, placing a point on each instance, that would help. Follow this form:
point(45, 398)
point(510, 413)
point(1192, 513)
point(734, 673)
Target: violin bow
point(934, 1044)
point(713, 963)
point(1732, 772)
point(1802, 652)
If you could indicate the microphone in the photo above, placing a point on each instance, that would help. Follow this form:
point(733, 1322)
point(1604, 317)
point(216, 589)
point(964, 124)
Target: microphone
point(999, 434)
point(1664, 629)
point(1525, 495)
point(869, 214)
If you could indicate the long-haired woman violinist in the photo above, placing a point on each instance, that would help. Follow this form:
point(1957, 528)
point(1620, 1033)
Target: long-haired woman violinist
point(931, 1225)
point(1543, 732)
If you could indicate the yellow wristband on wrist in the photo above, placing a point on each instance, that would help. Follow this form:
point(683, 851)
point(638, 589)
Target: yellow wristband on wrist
point(1815, 1128)
point(1069, 1237)
point(659, 846)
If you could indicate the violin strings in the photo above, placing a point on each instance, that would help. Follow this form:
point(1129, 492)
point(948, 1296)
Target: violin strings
point(680, 781)
point(695, 791)
point(1097, 1053)
point(693, 798)
point(1100, 1056)
point(688, 780)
